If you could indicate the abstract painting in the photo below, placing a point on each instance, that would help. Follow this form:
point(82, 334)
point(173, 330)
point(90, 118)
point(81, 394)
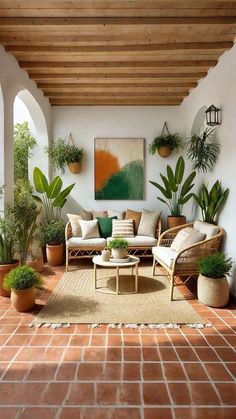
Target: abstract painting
point(119, 168)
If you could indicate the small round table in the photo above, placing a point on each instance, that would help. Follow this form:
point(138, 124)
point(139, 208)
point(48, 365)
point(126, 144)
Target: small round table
point(132, 263)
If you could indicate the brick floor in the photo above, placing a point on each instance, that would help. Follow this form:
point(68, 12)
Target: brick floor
point(78, 372)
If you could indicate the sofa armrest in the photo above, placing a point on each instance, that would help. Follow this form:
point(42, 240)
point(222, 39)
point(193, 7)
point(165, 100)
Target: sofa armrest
point(68, 231)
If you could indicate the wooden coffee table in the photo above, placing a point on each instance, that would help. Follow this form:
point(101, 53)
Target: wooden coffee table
point(132, 263)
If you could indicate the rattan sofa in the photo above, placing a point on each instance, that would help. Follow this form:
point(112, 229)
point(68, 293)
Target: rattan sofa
point(77, 248)
point(184, 263)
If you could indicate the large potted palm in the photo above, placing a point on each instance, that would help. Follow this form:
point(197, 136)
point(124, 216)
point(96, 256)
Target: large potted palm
point(176, 192)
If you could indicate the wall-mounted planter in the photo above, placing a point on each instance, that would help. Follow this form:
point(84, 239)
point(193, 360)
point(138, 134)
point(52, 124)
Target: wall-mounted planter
point(75, 167)
point(164, 151)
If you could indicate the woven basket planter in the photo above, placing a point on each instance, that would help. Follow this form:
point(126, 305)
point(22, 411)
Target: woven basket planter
point(213, 292)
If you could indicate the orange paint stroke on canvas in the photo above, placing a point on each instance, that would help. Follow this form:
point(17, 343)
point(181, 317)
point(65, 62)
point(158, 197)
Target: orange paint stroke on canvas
point(106, 165)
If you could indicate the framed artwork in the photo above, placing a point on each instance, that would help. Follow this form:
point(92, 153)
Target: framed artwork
point(119, 168)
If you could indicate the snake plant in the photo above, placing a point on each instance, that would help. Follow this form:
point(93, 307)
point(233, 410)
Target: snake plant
point(175, 190)
point(211, 201)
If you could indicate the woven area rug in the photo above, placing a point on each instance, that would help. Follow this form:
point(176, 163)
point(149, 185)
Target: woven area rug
point(74, 300)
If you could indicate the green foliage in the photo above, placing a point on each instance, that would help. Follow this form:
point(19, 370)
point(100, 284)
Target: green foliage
point(175, 191)
point(212, 201)
point(203, 151)
point(61, 153)
point(118, 243)
point(23, 144)
point(7, 239)
point(52, 197)
point(22, 278)
point(216, 265)
point(173, 141)
point(54, 233)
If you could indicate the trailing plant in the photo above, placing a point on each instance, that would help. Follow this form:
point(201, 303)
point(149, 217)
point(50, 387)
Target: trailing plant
point(118, 243)
point(173, 141)
point(21, 278)
point(211, 201)
point(175, 190)
point(61, 153)
point(24, 142)
point(53, 233)
point(52, 197)
point(203, 151)
point(216, 265)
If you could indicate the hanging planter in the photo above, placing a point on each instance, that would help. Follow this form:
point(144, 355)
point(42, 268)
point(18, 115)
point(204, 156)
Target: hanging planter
point(64, 153)
point(74, 156)
point(165, 143)
point(75, 167)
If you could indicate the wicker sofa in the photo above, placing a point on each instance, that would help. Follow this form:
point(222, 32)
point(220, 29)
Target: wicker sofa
point(185, 262)
point(77, 248)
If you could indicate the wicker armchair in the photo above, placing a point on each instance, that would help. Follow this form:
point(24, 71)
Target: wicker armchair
point(185, 262)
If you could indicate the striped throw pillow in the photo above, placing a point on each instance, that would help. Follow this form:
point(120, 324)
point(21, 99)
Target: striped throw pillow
point(122, 228)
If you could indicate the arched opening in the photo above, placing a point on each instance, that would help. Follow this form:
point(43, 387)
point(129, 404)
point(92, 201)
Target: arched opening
point(199, 123)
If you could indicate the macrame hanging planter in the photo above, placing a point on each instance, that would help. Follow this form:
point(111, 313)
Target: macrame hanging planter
point(74, 167)
point(164, 150)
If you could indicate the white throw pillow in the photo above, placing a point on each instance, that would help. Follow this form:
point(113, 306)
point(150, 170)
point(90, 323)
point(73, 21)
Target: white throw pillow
point(122, 228)
point(186, 237)
point(89, 229)
point(148, 223)
point(210, 230)
point(75, 224)
point(114, 213)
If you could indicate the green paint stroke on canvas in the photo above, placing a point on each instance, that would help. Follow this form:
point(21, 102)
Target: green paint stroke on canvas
point(126, 184)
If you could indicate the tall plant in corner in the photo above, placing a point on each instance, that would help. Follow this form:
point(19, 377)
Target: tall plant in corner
point(176, 191)
point(52, 197)
point(211, 201)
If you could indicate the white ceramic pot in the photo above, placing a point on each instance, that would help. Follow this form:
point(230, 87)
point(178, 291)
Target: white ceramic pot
point(106, 255)
point(213, 292)
point(119, 253)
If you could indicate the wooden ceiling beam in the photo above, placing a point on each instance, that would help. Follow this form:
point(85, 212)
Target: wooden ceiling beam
point(115, 77)
point(88, 86)
point(107, 95)
point(125, 91)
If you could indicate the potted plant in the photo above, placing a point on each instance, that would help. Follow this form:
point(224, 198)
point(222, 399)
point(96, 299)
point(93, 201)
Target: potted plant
point(118, 247)
point(165, 143)
point(22, 282)
point(203, 151)
point(211, 201)
point(54, 238)
point(176, 192)
point(213, 287)
point(62, 153)
point(7, 240)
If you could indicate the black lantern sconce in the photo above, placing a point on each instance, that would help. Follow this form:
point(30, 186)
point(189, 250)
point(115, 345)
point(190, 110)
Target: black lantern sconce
point(213, 115)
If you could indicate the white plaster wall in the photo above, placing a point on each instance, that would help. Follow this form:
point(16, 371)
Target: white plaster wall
point(219, 88)
point(87, 123)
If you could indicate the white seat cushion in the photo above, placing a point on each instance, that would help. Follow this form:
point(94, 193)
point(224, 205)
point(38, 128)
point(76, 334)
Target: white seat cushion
point(210, 230)
point(78, 241)
point(165, 254)
point(139, 241)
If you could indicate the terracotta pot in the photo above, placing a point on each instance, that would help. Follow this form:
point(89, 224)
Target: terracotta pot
point(213, 292)
point(37, 264)
point(175, 221)
point(5, 269)
point(75, 167)
point(164, 151)
point(23, 300)
point(55, 254)
point(119, 253)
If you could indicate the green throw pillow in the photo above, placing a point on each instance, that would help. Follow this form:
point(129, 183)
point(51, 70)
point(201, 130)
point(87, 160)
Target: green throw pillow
point(105, 226)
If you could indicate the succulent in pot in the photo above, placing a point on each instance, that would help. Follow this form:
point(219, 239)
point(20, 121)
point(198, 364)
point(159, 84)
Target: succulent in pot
point(213, 287)
point(22, 281)
point(7, 250)
point(118, 247)
point(54, 238)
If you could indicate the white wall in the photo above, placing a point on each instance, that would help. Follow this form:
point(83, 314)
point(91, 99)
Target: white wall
point(219, 88)
point(87, 123)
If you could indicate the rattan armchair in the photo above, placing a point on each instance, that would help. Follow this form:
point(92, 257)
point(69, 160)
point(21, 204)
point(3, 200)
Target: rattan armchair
point(185, 263)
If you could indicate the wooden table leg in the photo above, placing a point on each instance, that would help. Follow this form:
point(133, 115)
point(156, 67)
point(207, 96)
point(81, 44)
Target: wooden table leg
point(136, 278)
point(117, 280)
point(95, 275)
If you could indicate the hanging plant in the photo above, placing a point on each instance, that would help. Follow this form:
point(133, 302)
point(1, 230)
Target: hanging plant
point(165, 143)
point(62, 153)
point(203, 151)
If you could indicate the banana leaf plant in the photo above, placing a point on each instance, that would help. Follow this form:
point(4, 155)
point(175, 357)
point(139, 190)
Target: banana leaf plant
point(211, 201)
point(52, 197)
point(175, 189)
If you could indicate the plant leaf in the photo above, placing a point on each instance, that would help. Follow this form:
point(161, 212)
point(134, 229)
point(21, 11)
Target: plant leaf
point(60, 199)
point(179, 170)
point(54, 187)
point(40, 181)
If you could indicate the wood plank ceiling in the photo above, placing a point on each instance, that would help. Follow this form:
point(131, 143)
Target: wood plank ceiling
point(117, 52)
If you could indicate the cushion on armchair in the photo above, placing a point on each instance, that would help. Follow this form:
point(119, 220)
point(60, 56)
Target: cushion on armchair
point(186, 237)
point(210, 230)
point(165, 254)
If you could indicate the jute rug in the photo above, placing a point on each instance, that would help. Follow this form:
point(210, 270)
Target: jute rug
point(74, 300)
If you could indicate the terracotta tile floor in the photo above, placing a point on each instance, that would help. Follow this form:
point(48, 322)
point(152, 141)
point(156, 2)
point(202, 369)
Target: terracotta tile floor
point(78, 372)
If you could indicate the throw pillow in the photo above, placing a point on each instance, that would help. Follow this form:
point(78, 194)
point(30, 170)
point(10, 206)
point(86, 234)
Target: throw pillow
point(186, 237)
point(120, 215)
point(105, 226)
point(210, 230)
point(75, 224)
point(89, 229)
point(101, 214)
point(122, 228)
point(87, 215)
point(135, 216)
point(148, 223)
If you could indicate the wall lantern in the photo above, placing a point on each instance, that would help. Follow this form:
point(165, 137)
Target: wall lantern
point(213, 116)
